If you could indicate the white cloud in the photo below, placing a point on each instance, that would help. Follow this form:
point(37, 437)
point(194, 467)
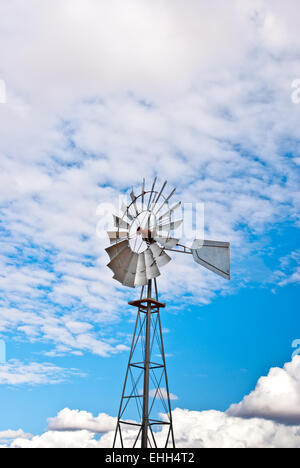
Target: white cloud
point(294, 278)
point(162, 393)
point(139, 45)
point(17, 373)
point(6, 435)
point(71, 420)
point(66, 333)
point(213, 429)
point(289, 272)
point(276, 396)
point(207, 429)
point(53, 439)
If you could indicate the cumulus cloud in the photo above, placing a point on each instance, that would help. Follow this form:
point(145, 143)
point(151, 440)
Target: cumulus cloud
point(52, 439)
point(276, 396)
point(5, 436)
point(193, 429)
point(213, 429)
point(71, 420)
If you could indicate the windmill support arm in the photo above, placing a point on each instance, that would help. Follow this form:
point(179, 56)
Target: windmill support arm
point(181, 248)
point(212, 255)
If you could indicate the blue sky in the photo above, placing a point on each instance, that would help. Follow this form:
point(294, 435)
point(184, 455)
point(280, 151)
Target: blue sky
point(89, 112)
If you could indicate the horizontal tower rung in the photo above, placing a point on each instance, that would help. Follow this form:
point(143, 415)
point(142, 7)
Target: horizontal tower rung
point(129, 423)
point(155, 366)
point(158, 422)
point(133, 396)
point(144, 310)
point(162, 423)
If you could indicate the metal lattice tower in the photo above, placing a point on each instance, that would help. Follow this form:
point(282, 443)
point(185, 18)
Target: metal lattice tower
point(138, 249)
point(146, 367)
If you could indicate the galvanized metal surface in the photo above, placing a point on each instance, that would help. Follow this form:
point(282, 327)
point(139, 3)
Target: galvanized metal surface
point(114, 250)
point(152, 270)
point(120, 223)
point(170, 211)
point(140, 276)
point(115, 236)
point(171, 226)
point(160, 257)
point(167, 242)
point(213, 255)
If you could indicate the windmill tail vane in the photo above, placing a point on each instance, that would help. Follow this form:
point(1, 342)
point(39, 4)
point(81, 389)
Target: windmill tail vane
point(140, 244)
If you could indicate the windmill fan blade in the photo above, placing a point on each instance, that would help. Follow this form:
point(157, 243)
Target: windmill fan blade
point(125, 212)
point(143, 194)
point(133, 198)
point(115, 236)
point(167, 242)
point(151, 193)
point(121, 261)
point(159, 255)
point(159, 195)
point(168, 226)
point(170, 211)
point(129, 278)
point(213, 255)
point(152, 270)
point(114, 250)
point(166, 200)
point(141, 277)
point(120, 223)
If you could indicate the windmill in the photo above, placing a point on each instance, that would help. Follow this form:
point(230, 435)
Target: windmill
point(140, 243)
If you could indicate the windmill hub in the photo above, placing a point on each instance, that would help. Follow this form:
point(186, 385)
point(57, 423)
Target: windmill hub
point(141, 230)
point(145, 233)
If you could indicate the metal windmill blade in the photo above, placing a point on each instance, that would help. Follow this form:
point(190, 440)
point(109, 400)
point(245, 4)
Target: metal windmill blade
point(213, 255)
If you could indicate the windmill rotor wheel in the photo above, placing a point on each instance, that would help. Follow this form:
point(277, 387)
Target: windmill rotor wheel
point(143, 231)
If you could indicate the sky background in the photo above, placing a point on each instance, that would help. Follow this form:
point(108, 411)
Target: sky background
point(99, 95)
